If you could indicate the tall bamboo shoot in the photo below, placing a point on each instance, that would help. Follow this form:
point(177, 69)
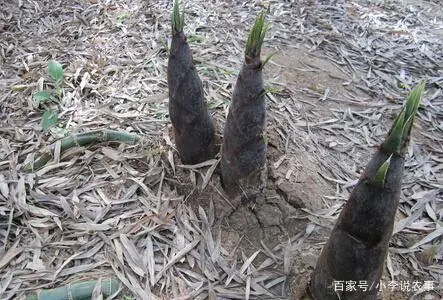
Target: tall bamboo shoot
point(193, 127)
point(358, 245)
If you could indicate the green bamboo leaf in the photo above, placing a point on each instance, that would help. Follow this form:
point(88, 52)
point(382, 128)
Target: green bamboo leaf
point(42, 96)
point(398, 136)
point(413, 99)
point(394, 140)
point(412, 104)
point(178, 21)
point(256, 36)
point(267, 59)
point(182, 19)
point(49, 118)
point(55, 71)
point(380, 176)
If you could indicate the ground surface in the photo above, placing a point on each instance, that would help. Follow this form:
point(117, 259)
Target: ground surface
point(168, 231)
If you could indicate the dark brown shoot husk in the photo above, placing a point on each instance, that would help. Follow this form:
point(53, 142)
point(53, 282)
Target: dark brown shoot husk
point(193, 128)
point(244, 144)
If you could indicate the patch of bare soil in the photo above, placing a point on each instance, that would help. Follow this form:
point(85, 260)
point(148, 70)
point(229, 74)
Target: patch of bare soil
point(302, 69)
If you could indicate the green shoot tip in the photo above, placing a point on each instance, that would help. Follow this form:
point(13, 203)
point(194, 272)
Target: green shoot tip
point(256, 36)
point(380, 176)
point(178, 20)
point(401, 129)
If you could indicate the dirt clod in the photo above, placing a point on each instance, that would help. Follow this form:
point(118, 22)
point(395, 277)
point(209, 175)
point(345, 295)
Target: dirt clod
point(269, 215)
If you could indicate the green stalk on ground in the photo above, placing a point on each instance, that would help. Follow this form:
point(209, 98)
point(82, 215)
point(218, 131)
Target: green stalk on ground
point(76, 291)
point(193, 128)
point(358, 244)
point(244, 143)
point(80, 140)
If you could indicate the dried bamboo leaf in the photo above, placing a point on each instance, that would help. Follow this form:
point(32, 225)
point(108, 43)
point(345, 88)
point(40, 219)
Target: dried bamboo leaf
point(4, 188)
point(176, 258)
point(249, 261)
point(433, 235)
point(132, 256)
point(12, 252)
